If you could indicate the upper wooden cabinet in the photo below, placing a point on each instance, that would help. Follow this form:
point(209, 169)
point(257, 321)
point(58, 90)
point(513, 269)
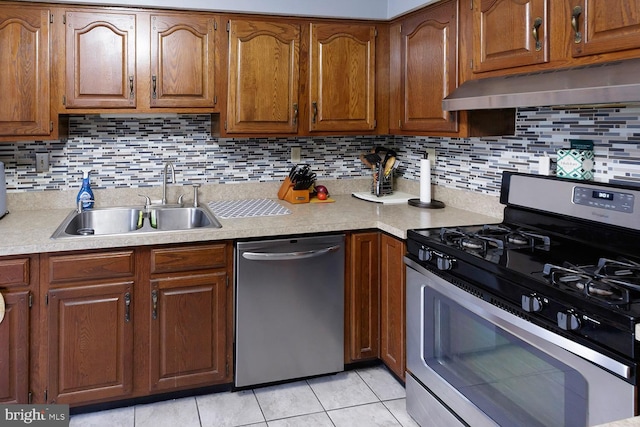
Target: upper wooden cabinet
point(137, 61)
point(342, 77)
point(263, 77)
point(424, 70)
point(600, 26)
point(100, 59)
point(182, 60)
point(509, 33)
point(24, 75)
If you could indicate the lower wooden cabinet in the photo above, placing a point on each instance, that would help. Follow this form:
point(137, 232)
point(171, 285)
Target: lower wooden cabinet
point(375, 300)
point(125, 323)
point(362, 297)
point(190, 309)
point(392, 304)
point(90, 325)
point(18, 279)
point(90, 343)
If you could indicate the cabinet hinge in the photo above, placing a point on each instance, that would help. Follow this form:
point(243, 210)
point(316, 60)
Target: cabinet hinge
point(30, 397)
point(64, 99)
point(30, 299)
point(228, 26)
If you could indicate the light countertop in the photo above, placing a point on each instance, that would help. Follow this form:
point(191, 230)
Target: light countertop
point(29, 231)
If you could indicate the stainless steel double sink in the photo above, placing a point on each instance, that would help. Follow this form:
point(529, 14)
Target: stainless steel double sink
point(130, 220)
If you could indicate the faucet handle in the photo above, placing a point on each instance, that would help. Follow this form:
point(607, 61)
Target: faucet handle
point(180, 201)
point(195, 194)
point(147, 201)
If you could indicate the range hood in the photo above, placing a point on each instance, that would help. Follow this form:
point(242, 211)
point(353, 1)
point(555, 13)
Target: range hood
point(607, 83)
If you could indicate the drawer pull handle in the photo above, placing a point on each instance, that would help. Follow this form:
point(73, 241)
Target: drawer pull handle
point(315, 111)
point(154, 95)
point(2, 308)
point(577, 11)
point(154, 302)
point(127, 307)
point(536, 32)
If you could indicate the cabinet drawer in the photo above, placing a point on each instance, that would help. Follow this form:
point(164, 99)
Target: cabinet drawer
point(15, 272)
point(94, 266)
point(188, 258)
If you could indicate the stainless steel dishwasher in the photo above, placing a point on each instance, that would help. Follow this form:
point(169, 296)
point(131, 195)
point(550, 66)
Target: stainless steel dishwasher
point(289, 309)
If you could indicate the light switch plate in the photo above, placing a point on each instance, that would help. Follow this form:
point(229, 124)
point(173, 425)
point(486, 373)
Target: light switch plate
point(295, 154)
point(42, 162)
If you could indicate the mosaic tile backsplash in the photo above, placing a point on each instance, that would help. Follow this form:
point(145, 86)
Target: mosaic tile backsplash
point(129, 152)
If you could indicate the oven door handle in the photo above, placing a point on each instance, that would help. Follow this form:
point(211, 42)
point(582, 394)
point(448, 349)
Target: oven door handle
point(506, 321)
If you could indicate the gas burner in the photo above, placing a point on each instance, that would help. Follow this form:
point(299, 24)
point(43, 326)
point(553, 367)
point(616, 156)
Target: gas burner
point(582, 280)
point(518, 237)
point(473, 242)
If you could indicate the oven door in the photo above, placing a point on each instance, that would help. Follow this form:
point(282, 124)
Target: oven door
point(474, 362)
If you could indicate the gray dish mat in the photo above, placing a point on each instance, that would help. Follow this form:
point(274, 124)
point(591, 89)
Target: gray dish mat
point(247, 208)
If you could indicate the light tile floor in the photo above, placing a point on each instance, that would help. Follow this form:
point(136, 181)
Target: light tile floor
point(369, 397)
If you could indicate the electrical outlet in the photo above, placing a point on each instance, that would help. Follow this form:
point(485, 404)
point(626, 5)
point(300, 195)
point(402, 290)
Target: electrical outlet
point(42, 162)
point(431, 153)
point(295, 154)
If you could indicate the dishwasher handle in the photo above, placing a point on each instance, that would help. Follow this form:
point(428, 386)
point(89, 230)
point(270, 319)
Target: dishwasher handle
point(284, 256)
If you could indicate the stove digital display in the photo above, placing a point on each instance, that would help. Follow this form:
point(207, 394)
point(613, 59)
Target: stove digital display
point(602, 195)
point(603, 199)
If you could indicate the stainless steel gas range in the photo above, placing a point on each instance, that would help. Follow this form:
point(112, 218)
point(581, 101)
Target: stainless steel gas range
point(533, 321)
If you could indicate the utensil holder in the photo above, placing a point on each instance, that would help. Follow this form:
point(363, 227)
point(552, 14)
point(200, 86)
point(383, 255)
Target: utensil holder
point(384, 186)
point(290, 195)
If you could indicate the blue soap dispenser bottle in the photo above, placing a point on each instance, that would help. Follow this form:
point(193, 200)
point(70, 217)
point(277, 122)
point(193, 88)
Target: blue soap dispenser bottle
point(85, 195)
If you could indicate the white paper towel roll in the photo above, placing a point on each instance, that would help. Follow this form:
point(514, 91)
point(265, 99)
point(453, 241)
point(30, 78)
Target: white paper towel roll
point(425, 180)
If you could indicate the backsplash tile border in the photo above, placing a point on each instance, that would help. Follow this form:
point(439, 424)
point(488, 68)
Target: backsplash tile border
point(129, 152)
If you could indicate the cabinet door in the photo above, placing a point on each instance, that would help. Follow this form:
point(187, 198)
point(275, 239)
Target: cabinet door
point(342, 77)
point(182, 60)
point(601, 26)
point(263, 77)
point(427, 43)
point(392, 300)
point(362, 292)
point(24, 79)
point(188, 324)
point(90, 343)
point(100, 59)
point(14, 348)
point(509, 33)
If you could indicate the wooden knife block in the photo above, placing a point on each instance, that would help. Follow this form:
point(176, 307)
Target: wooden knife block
point(287, 193)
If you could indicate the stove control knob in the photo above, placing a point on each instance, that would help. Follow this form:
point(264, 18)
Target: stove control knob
point(445, 263)
point(424, 254)
point(532, 303)
point(569, 321)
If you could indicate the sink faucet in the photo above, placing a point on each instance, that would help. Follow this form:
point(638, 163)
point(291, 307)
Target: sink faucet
point(164, 180)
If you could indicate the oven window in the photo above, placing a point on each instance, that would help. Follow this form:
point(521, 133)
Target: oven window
point(511, 381)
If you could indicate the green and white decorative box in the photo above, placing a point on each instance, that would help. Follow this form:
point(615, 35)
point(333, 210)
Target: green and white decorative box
point(576, 162)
